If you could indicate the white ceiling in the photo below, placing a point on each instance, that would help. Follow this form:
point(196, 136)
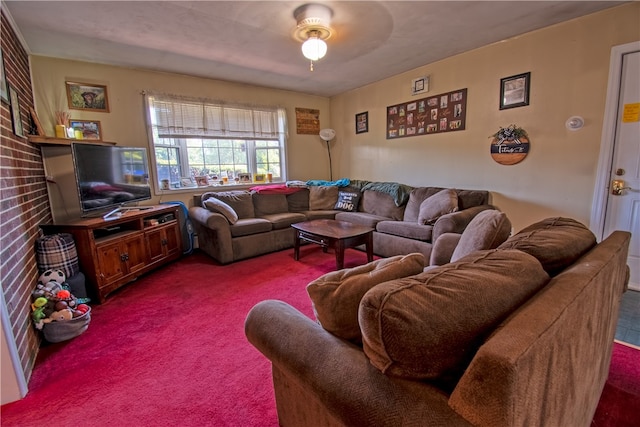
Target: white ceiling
point(251, 41)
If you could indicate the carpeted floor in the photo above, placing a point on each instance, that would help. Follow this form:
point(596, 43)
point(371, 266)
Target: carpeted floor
point(170, 350)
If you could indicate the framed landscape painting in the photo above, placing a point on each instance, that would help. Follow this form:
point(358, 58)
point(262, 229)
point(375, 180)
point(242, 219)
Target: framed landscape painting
point(90, 128)
point(86, 96)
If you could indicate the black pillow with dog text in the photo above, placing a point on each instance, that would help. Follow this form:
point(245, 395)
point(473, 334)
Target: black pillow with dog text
point(347, 201)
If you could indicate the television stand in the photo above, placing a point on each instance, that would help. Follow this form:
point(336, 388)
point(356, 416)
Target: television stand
point(117, 250)
point(117, 212)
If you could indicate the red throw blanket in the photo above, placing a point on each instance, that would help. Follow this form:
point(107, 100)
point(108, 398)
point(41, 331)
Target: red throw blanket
point(274, 189)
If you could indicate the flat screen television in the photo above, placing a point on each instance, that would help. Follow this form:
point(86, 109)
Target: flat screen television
point(110, 177)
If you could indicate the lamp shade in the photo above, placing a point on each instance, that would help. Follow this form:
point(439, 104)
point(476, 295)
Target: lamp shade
point(314, 48)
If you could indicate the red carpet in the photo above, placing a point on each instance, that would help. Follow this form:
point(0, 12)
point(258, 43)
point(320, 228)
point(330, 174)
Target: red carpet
point(170, 350)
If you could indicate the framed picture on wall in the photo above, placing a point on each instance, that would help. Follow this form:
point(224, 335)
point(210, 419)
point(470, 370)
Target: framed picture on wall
point(90, 128)
point(514, 91)
point(4, 94)
point(16, 117)
point(86, 96)
point(362, 122)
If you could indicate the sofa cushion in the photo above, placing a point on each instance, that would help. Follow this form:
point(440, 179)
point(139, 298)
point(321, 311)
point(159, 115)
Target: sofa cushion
point(410, 230)
point(556, 242)
point(360, 218)
point(470, 198)
point(215, 205)
point(416, 197)
point(298, 201)
point(240, 200)
point(381, 204)
point(487, 230)
point(322, 198)
point(336, 295)
point(347, 201)
point(268, 204)
point(441, 203)
point(284, 220)
point(311, 215)
point(247, 226)
point(429, 326)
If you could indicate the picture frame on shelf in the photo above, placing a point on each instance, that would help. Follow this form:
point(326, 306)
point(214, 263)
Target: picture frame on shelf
point(90, 129)
point(16, 117)
point(87, 96)
point(202, 181)
point(37, 125)
point(186, 181)
point(514, 91)
point(259, 177)
point(244, 178)
point(362, 122)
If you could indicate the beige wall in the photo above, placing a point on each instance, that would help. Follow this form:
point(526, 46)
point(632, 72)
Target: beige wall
point(125, 123)
point(569, 71)
point(569, 66)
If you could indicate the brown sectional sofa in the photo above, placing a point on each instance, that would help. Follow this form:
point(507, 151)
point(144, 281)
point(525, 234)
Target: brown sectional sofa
point(515, 336)
point(263, 219)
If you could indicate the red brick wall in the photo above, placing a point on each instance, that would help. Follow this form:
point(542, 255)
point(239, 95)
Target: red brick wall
point(23, 202)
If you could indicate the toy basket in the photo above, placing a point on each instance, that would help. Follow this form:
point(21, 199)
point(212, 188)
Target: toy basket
point(65, 330)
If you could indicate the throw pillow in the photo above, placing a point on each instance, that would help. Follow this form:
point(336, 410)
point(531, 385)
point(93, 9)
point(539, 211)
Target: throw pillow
point(441, 203)
point(430, 326)
point(486, 230)
point(241, 201)
point(322, 198)
point(215, 205)
point(347, 201)
point(336, 295)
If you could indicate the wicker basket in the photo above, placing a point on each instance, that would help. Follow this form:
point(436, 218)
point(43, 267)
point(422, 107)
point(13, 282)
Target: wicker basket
point(65, 330)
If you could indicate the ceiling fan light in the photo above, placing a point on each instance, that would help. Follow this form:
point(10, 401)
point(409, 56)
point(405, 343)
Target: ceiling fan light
point(314, 48)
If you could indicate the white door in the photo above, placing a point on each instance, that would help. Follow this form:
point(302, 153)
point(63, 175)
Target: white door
point(623, 202)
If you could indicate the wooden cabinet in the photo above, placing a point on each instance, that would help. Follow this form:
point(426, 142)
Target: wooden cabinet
point(115, 252)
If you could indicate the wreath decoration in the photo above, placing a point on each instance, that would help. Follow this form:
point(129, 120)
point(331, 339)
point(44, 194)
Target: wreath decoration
point(510, 133)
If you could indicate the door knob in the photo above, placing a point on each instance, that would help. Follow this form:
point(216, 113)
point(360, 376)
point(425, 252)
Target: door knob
point(617, 187)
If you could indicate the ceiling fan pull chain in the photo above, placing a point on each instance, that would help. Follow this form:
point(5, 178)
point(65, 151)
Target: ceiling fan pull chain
point(310, 65)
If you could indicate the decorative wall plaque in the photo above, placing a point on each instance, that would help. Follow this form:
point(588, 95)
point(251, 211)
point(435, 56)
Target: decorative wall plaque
point(446, 112)
point(307, 121)
point(510, 145)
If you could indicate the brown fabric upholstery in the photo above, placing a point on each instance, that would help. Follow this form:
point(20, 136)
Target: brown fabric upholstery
point(336, 295)
point(416, 197)
point(548, 239)
point(240, 201)
point(381, 204)
point(268, 204)
point(411, 230)
point(284, 220)
point(248, 226)
point(441, 203)
point(322, 198)
point(216, 205)
point(298, 201)
point(487, 230)
point(429, 326)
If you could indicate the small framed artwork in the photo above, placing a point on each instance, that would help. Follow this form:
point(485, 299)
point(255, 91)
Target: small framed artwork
point(420, 85)
point(186, 181)
point(362, 122)
point(16, 117)
point(260, 177)
point(202, 181)
point(514, 91)
point(90, 128)
point(86, 96)
point(4, 94)
point(37, 126)
point(244, 178)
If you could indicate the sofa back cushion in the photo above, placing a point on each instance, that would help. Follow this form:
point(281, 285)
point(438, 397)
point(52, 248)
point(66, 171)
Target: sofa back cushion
point(269, 204)
point(466, 199)
point(381, 204)
point(322, 197)
point(556, 242)
point(217, 205)
point(487, 230)
point(429, 326)
point(240, 201)
point(298, 201)
point(336, 295)
point(443, 202)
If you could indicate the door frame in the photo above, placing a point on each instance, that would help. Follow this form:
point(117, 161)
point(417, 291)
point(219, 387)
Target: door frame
point(601, 189)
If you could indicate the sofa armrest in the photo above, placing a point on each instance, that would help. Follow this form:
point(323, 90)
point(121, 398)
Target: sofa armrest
point(337, 376)
point(214, 233)
point(443, 248)
point(456, 222)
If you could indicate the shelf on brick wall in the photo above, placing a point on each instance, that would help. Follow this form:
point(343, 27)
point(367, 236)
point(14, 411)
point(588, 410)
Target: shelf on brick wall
point(37, 139)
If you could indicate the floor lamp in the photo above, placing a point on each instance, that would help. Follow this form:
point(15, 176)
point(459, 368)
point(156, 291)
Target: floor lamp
point(327, 135)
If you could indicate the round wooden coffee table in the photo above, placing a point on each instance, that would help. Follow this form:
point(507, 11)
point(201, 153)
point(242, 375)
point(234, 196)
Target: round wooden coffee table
point(337, 235)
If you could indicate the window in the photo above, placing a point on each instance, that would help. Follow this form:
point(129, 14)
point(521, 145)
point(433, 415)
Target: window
point(212, 143)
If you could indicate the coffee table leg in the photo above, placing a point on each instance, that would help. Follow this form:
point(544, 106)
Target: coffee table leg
point(369, 247)
point(296, 245)
point(339, 248)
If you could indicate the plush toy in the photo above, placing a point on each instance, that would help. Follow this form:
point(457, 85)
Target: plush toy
point(57, 276)
point(59, 316)
point(38, 307)
point(47, 290)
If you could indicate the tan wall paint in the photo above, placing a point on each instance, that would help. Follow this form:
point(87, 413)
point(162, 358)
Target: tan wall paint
point(569, 66)
point(125, 123)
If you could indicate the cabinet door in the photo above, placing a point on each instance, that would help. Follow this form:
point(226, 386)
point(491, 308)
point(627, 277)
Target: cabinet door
point(155, 247)
point(111, 263)
point(173, 239)
point(135, 249)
